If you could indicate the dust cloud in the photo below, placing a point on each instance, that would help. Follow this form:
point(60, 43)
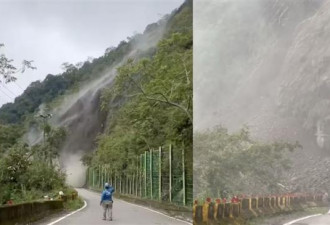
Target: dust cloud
point(265, 64)
point(241, 58)
point(79, 112)
point(75, 171)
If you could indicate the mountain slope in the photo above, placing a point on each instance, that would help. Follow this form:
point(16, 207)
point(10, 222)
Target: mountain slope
point(269, 64)
point(81, 99)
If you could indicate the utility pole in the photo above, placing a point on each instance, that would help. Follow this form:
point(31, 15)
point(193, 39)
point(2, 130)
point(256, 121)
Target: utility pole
point(45, 117)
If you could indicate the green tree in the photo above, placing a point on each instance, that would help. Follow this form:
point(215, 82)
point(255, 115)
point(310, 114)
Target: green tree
point(9, 136)
point(166, 78)
point(150, 104)
point(24, 175)
point(55, 140)
point(236, 164)
point(8, 70)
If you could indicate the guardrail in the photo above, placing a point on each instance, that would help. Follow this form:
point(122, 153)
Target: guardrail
point(26, 213)
point(214, 212)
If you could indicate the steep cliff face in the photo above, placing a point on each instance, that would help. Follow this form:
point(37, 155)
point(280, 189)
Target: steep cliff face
point(243, 49)
point(81, 112)
point(304, 89)
point(265, 65)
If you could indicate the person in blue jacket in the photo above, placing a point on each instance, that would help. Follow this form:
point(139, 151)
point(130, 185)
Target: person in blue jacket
point(106, 201)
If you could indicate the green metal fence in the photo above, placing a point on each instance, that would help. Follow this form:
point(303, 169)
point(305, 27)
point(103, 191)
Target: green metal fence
point(160, 175)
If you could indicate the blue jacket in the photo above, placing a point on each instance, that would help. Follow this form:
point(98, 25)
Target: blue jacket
point(107, 194)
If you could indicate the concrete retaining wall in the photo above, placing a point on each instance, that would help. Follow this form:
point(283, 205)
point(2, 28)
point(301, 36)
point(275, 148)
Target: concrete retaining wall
point(25, 213)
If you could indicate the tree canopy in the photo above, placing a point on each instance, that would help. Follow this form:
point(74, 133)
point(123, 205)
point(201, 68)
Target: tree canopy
point(8, 70)
point(156, 104)
point(225, 164)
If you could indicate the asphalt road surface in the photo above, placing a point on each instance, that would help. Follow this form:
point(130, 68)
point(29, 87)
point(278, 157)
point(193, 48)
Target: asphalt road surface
point(315, 220)
point(124, 213)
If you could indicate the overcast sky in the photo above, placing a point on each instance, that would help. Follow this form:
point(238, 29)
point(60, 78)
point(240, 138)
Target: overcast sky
point(51, 32)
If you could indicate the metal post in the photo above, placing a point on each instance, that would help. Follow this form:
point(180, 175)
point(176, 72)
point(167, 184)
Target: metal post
point(106, 175)
point(140, 175)
point(90, 182)
point(151, 192)
point(111, 178)
point(137, 176)
point(183, 178)
point(115, 182)
point(88, 177)
point(145, 174)
point(127, 184)
point(131, 185)
point(102, 177)
point(100, 174)
point(170, 173)
point(160, 174)
point(93, 177)
point(136, 183)
point(120, 184)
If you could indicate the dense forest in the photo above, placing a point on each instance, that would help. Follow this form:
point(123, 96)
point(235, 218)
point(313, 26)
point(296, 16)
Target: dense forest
point(52, 86)
point(148, 104)
point(226, 164)
point(157, 107)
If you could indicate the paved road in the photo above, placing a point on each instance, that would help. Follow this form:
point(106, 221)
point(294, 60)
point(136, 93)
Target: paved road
point(317, 220)
point(124, 213)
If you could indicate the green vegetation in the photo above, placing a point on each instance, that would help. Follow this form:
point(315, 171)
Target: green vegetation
point(8, 70)
point(27, 172)
point(56, 85)
point(9, 136)
point(23, 178)
point(74, 76)
point(72, 204)
point(156, 107)
point(148, 105)
point(225, 164)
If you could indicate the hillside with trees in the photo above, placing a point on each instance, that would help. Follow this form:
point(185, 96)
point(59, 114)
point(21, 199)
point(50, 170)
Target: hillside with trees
point(146, 104)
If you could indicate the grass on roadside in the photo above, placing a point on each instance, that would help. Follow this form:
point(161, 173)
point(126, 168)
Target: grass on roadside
point(75, 204)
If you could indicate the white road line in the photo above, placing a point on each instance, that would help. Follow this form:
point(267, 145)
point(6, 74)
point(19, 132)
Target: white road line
point(303, 218)
point(62, 218)
point(157, 212)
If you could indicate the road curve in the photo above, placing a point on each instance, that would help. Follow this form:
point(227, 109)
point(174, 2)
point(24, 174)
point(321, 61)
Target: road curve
point(315, 220)
point(124, 213)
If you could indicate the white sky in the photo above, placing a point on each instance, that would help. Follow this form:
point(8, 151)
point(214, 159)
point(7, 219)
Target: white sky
point(51, 32)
